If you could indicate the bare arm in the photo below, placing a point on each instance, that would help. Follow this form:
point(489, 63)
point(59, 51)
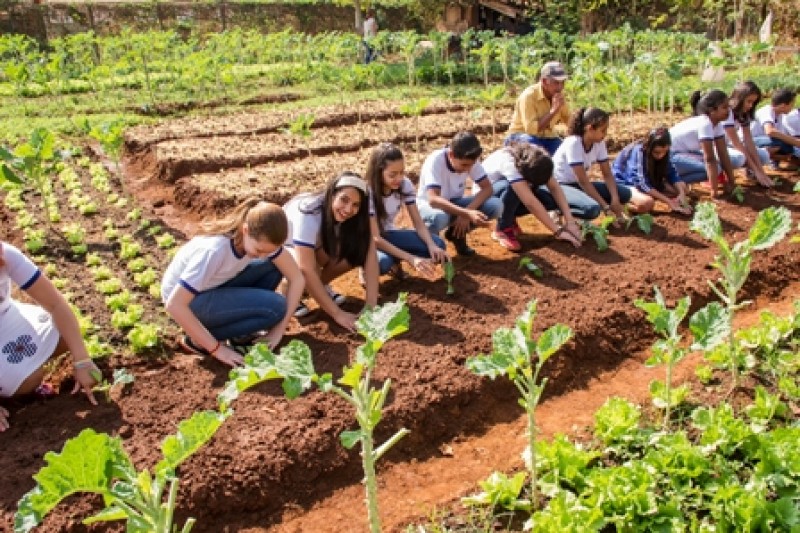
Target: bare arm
point(535, 207)
point(295, 284)
point(774, 133)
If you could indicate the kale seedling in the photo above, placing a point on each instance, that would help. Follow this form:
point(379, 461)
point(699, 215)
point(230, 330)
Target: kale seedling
point(120, 378)
point(598, 232)
point(528, 264)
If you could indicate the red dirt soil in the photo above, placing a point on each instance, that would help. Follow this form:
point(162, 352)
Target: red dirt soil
point(275, 458)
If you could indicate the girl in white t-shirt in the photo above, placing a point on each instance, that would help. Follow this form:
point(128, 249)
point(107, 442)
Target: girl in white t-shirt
point(743, 102)
point(329, 235)
point(698, 143)
point(390, 189)
point(221, 284)
point(32, 334)
point(584, 147)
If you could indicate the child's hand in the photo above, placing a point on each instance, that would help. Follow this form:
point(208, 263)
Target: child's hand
point(3, 419)
point(229, 356)
point(346, 320)
point(437, 254)
point(424, 267)
point(87, 375)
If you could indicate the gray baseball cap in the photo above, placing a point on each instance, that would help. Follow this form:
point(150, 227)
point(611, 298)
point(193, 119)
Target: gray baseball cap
point(554, 70)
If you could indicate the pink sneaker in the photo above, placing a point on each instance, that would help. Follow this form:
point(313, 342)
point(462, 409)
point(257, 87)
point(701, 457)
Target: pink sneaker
point(517, 229)
point(507, 239)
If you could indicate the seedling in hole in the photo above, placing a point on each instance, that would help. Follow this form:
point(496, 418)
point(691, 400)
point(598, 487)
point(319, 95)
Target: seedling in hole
point(644, 222)
point(738, 194)
point(598, 232)
point(143, 337)
point(449, 274)
point(528, 264)
point(120, 378)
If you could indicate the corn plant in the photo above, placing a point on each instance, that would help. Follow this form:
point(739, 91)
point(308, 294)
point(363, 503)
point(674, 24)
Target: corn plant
point(667, 351)
point(516, 354)
point(713, 324)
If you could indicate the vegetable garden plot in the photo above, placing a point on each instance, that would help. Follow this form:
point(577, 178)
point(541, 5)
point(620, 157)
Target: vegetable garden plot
point(274, 453)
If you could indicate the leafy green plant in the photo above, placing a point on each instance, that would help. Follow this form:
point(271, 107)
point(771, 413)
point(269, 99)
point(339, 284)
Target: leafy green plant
point(415, 108)
point(129, 250)
point(738, 194)
point(500, 490)
point(145, 279)
point(143, 337)
point(120, 378)
point(528, 264)
point(714, 323)
point(644, 221)
point(109, 286)
point(598, 232)
point(165, 241)
point(449, 275)
point(127, 318)
point(301, 127)
point(119, 301)
point(667, 351)
point(516, 354)
point(97, 463)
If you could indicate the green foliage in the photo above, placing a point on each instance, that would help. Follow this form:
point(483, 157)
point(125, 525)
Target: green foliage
point(143, 337)
point(644, 222)
point(598, 232)
point(500, 491)
point(528, 264)
point(449, 275)
point(120, 378)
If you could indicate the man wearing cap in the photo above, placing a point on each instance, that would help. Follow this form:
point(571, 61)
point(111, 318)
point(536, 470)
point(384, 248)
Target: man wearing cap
point(539, 108)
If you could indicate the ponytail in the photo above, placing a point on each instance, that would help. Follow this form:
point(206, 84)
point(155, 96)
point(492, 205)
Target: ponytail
point(586, 116)
point(704, 102)
point(265, 221)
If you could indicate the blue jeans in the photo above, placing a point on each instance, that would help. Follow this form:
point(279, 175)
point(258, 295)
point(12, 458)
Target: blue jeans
point(514, 208)
point(244, 304)
point(550, 144)
point(691, 166)
point(582, 205)
point(436, 220)
point(784, 148)
point(407, 240)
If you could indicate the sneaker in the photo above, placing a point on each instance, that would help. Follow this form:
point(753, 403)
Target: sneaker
point(302, 310)
point(335, 296)
point(186, 344)
point(517, 229)
point(507, 239)
point(397, 272)
point(722, 179)
point(460, 243)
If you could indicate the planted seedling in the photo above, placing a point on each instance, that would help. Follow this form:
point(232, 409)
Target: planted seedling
point(143, 337)
point(598, 232)
point(738, 194)
point(668, 351)
point(120, 378)
point(449, 274)
point(644, 221)
point(500, 490)
point(714, 323)
point(518, 355)
point(527, 264)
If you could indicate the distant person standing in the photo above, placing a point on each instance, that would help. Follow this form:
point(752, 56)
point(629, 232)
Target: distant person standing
point(369, 33)
point(539, 108)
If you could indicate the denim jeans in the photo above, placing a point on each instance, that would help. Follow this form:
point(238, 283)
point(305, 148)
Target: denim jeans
point(580, 204)
point(436, 220)
point(691, 166)
point(244, 304)
point(550, 144)
point(784, 148)
point(407, 240)
point(734, 154)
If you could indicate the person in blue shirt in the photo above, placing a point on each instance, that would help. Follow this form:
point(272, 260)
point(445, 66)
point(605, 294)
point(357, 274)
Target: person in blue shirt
point(646, 168)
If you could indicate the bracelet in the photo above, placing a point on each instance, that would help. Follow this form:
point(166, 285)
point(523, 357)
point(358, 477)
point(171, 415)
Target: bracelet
point(215, 348)
point(84, 363)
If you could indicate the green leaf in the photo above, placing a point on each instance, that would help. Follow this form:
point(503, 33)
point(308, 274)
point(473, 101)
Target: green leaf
point(493, 365)
point(352, 375)
point(771, 225)
point(296, 365)
point(8, 175)
point(85, 464)
point(379, 324)
point(551, 340)
point(706, 221)
point(192, 434)
point(109, 514)
point(350, 438)
point(259, 366)
point(710, 326)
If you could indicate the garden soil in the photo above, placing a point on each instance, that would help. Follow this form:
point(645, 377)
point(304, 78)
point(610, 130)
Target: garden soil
point(275, 459)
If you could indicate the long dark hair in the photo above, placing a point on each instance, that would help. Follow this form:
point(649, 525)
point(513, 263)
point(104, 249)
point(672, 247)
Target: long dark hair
point(383, 154)
point(656, 169)
point(705, 102)
point(532, 162)
point(348, 240)
point(586, 116)
point(740, 93)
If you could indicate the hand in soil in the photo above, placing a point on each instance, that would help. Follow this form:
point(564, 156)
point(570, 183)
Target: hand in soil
point(568, 236)
point(85, 380)
point(424, 267)
point(346, 320)
point(229, 356)
point(3, 419)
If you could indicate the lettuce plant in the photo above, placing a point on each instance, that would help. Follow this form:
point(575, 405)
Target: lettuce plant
point(516, 354)
point(714, 323)
point(143, 337)
point(668, 350)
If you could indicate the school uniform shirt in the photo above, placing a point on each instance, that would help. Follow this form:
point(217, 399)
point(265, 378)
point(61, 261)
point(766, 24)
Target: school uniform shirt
point(406, 194)
point(765, 115)
point(500, 165)
point(628, 168)
point(304, 214)
point(791, 122)
point(204, 263)
point(572, 154)
point(437, 173)
point(28, 336)
point(688, 134)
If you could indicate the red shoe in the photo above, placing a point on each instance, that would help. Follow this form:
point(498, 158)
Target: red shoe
point(722, 178)
point(517, 229)
point(507, 239)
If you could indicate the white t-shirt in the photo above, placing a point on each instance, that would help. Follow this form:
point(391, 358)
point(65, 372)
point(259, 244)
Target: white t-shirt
point(304, 227)
point(204, 263)
point(501, 165)
point(688, 134)
point(437, 173)
point(370, 28)
point(406, 194)
point(571, 154)
point(28, 336)
point(765, 115)
point(791, 122)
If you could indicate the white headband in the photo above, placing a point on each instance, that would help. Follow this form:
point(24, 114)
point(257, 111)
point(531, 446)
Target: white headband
point(349, 180)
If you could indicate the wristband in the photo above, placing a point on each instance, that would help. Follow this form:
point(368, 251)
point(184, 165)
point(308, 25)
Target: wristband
point(84, 363)
point(215, 348)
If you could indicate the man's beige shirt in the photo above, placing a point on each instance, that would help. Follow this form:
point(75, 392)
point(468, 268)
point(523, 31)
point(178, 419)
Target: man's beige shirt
point(531, 105)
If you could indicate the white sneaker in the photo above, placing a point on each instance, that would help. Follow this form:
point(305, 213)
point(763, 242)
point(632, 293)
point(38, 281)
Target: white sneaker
point(339, 299)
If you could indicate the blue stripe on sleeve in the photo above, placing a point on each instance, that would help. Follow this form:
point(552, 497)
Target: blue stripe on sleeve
point(275, 254)
point(31, 281)
point(306, 244)
point(188, 287)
